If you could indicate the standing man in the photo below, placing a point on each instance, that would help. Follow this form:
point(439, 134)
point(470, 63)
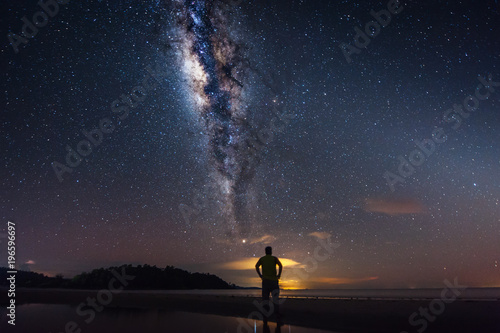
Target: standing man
point(269, 276)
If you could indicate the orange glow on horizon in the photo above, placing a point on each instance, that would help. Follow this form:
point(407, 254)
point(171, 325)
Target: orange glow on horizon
point(291, 284)
point(249, 264)
point(335, 281)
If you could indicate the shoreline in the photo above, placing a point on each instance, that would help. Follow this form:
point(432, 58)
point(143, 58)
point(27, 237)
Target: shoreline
point(343, 315)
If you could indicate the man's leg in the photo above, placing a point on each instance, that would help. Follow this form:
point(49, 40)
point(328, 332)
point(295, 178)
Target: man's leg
point(267, 288)
point(276, 297)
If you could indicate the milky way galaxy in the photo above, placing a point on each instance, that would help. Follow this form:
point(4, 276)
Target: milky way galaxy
point(215, 69)
point(256, 124)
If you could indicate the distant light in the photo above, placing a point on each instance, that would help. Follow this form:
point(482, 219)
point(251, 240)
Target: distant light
point(244, 241)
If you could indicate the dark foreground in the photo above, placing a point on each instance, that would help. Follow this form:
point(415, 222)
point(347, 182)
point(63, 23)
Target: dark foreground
point(334, 315)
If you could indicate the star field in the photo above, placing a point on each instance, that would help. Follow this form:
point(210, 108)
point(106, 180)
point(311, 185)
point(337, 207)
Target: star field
point(175, 182)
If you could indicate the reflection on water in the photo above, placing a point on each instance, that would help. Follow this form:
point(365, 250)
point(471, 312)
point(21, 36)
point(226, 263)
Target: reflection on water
point(469, 293)
point(50, 318)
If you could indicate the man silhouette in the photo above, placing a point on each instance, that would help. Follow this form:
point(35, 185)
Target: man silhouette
point(269, 277)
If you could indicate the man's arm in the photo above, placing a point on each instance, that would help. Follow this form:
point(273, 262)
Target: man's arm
point(278, 262)
point(257, 265)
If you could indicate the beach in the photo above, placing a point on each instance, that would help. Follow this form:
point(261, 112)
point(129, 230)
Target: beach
point(337, 315)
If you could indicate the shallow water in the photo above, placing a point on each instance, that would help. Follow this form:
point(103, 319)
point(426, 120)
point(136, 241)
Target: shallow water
point(53, 318)
point(468, 293)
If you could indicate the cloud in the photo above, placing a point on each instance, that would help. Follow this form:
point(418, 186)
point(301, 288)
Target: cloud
point(320, 234)
point(336, 281)
point(394, 206)
point(26, 265)
point(249, 264)
point(266, 239)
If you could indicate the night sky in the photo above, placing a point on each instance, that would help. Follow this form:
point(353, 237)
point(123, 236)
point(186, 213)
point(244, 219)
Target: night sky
point(215, 128)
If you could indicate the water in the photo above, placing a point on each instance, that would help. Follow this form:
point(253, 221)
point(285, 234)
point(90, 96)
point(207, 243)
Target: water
point(50, 318)
point(467, 294)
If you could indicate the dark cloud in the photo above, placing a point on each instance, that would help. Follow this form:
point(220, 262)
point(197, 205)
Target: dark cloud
point(394, 206)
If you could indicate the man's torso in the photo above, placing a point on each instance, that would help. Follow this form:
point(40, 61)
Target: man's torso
point(269, 267)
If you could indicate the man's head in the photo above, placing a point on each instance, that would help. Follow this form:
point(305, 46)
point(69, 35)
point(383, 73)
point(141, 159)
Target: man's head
point(269, 250)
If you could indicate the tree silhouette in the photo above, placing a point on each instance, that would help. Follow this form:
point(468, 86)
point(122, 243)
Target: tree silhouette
point(145, 278)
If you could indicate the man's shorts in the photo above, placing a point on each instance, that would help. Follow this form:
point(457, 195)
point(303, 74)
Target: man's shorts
point(270, 287)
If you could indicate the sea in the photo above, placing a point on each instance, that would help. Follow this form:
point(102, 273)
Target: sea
point(58, 318)
point(389, 294)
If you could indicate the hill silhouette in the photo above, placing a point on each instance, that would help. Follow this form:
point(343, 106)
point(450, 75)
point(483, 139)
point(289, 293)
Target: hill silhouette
point(146, 277)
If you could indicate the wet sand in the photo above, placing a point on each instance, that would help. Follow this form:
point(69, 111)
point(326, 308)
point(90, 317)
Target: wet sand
point(341, 315)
